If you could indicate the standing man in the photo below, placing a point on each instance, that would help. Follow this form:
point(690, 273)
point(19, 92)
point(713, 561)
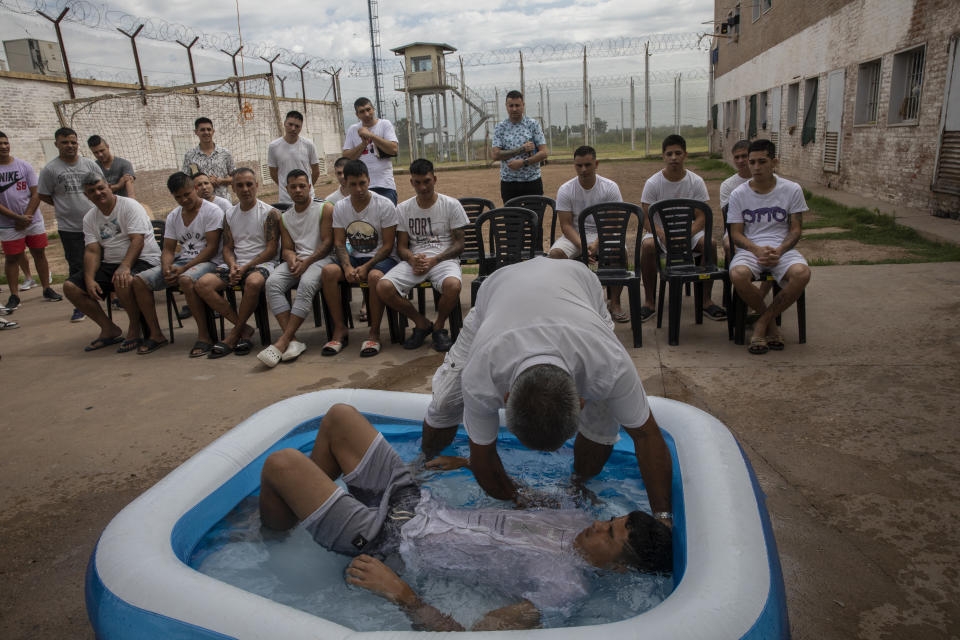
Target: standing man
point(430, 240)
point(341, 191)
point(210, 159)
point(292, 152)
point(117, 171)
point(549, 356)
point(672, 182)
point(21, 223)
point(60, 185)
point(519, 145)
point(119, 245)
point(374, 141)
point(251, 231)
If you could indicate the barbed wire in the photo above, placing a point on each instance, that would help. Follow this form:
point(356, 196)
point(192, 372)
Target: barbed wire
point(100, 16)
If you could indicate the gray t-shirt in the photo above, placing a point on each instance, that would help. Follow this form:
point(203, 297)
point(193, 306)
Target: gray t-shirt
point(62, 182)
point(118, 168)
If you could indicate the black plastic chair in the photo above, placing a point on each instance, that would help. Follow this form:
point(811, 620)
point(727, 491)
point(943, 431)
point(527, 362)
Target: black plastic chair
point(613, 260)
point(538, 204)
point(737, 308)
point(681, 263)
point(512, 234)
point(473, 207)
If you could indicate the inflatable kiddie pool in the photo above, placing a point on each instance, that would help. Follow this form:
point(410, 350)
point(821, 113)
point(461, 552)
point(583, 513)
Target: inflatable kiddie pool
point(728, 582)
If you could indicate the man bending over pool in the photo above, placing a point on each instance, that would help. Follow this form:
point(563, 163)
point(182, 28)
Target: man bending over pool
point(539, 557)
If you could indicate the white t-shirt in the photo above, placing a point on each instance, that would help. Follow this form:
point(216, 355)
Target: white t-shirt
point(286, 157)
point(429, 229)
point(304, 228)
point(574, 198)
point(517, 323)
point(193, 238)
point(335, 197)
point(246, 227)
point(223, 203)
point(658, 188)
point(523, 554)
point(765, 217)
point(112, 232)
point(728, 185)
point(364, 229)
point(381, 171)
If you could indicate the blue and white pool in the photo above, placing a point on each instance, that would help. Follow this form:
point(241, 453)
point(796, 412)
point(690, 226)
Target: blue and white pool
point(187, 559)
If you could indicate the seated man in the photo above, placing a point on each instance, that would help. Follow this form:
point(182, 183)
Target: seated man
point(671, 183)
point(119, 244)
point(196, 226)
point(385, 507)
point(305, 240)
point(251, 231)
point(341, 191)
point(368, 221)
point(430, 240)
point(550, 357)
point(575, 195)
point(766, 219)
point(204, 187)
point(741, 154)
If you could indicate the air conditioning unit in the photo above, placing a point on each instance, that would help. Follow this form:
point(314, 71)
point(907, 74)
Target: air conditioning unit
point(34, 56)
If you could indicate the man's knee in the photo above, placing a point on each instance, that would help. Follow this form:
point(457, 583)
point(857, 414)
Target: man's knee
point(740, 275)
point(254, 282)
point(70, 290)
point(280, 464)
point(331, 273)
point(798, 274)
point(209, 285)
point(385, 289)
point(338, 417)
point(451, 287)
point(186, 283)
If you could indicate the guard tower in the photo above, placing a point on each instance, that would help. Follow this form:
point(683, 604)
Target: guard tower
point(425, 74)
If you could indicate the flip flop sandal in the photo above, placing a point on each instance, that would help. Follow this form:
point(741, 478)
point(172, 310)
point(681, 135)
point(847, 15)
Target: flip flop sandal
point(219, 350)
point(8, 324)
point(645, 313)
point(775, 343)
point(200, 349)
point(715, 312)
point(244, 346)
point(129, 345)
point(270, 356)
point(101, 343)
point(369, 348)
point(758, 345)
point(150, 345)
point(334, 347)
point(293, 351)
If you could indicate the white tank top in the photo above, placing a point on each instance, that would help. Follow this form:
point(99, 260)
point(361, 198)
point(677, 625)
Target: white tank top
point(304, 228)
point(247, 230)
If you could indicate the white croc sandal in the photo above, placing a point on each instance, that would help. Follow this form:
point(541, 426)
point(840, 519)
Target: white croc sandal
point(293, 351)
point(270, 356)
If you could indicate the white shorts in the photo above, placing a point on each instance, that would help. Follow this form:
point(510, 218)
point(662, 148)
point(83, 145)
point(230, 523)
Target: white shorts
point(748, 260)
point(694, 241)
point(403, 278)
point(563, 244)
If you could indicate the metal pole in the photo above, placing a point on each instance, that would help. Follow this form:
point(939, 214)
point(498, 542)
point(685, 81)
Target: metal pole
point(420, 127)
point(679, 100)
point(236, 74)
point(633, 115)
point(136, 58)
point(496, 101)
point(303, 86)
point(411, 141)
point(621, 121)
point(466, 126)
point(566, 115)
point(63, 50)
point(540, 104)
point(339, 94)
point(646, 95)
point(283, 89)
point(586, 99)
point(193, 74)
point(373, 55)
point(446, 125)
point(523, 86)
point(276, 107)
point(549, 126)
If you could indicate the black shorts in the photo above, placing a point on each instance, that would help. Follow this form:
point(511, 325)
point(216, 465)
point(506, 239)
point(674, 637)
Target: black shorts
point(104, 274)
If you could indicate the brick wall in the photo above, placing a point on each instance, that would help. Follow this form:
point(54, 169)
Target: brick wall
point(888, 162)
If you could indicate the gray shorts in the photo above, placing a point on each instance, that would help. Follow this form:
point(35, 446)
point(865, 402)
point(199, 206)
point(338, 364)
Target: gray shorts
point(382, 498)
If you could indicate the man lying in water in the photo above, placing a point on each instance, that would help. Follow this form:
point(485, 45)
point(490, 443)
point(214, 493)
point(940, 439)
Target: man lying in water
point(539, 557)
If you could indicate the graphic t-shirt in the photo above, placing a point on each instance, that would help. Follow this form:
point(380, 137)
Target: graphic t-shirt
point(510, 135)
point(765, 217)
point(118, 168)
point(381, 170)
point(574, 198)
point(62, 182)
point(219, 164)
point(286, 157)
point(193, 238)
point(16, 179)
point(112, 232)
point(429, 229)
point(364, 229)
point(523, 554)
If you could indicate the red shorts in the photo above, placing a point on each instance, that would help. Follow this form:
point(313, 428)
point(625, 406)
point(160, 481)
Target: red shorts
point(16, 247)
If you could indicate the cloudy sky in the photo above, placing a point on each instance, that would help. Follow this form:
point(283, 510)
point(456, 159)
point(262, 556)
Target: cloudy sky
point(339, 31)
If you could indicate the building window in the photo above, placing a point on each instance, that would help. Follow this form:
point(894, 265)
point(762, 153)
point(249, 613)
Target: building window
point(730, 117)
point(809, 133)
point(766, 5)
point(905, 85)
point(752, 127)
point(756, 9)
point(868, 93)
point(793, 103)
point(762, 109)
point(421, 63)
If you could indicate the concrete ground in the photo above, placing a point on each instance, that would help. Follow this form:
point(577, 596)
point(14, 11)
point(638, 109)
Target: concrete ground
point(853, 437)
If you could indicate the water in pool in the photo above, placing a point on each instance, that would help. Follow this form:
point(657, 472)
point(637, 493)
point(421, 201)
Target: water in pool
point(292, 569)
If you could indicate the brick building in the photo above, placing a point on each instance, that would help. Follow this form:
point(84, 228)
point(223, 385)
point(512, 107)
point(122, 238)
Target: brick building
point(859, 95)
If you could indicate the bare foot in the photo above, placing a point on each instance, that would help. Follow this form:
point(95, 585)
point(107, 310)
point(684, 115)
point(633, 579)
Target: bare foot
point(373, 575)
